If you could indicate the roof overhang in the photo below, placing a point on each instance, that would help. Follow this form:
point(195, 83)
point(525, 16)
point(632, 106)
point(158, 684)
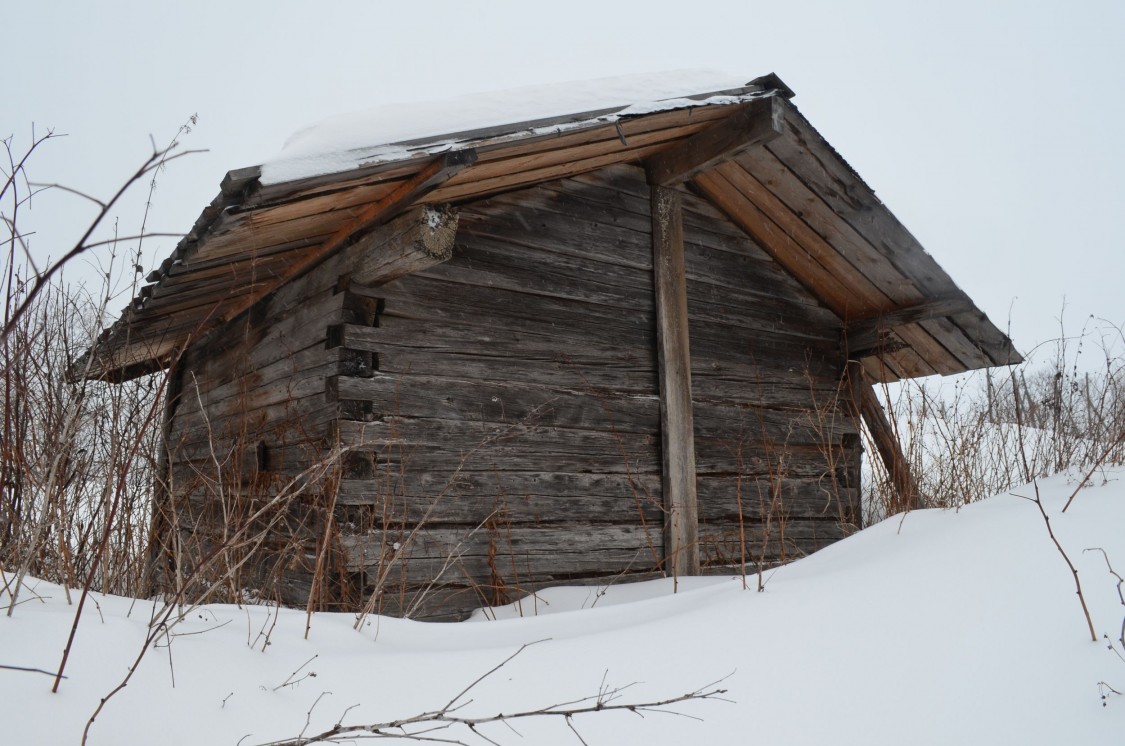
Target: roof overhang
point(746, 150)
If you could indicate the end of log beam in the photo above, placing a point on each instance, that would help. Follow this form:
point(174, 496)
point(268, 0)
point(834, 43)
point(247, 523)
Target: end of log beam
point(756, 123)
point(872, 335)
point(370, 217)
point(420, 238)
point(234, 184)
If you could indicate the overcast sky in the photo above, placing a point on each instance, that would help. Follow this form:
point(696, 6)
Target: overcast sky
point(993, 130)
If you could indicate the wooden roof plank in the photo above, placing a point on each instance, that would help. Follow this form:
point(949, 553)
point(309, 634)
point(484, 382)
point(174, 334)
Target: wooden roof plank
point(508, 182)
point(788, 252)
point(954, 339)
point(988, 338)
point(753, 123)
point(787, 191)
point(862, 296)
point(263, 265)
point(357, 196)
point(222, 298)
point(362, 220)
point(795, 196)
point(545, 159)
point(822, 169)
point(509, 145)
point(865, 297)
point(880, 369)
point(862, 329)
point(925, 356)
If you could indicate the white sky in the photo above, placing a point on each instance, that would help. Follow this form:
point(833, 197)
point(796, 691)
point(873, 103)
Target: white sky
point(992, 130)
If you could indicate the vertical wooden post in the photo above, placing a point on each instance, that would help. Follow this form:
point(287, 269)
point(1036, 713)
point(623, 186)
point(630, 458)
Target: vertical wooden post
point(681, 520)
point(867, 406)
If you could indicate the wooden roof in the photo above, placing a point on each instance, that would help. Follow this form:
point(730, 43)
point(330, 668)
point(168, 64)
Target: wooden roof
point(747, 150)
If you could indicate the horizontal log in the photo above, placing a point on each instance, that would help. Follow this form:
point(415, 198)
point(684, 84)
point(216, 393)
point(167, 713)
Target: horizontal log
point(288, 421)
point(541, 498)
point(507, 447)
point(565, 256)
point(756, 499)
point(422, 238)
point(783, 542)
point(468, 497)
point(450, 300)
point(500, 403)
point(719, 382)
point(730, 344)
point(512, 555)
point(725, 261)
point(777, 427)
point(484, 263)
point(532, 553)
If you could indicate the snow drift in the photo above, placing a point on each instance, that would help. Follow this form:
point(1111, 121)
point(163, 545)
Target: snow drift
point(936, 627)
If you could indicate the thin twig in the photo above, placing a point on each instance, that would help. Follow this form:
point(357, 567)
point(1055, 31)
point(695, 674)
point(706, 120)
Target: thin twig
point(156, 160)
point(423, 726)
point(25, 668)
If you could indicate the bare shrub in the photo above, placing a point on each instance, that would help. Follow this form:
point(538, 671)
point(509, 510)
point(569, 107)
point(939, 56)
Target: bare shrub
point(75, 457)
point(963, 440)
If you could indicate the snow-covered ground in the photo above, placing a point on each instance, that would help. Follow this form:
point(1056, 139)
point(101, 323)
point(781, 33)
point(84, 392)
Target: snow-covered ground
point(957, 627)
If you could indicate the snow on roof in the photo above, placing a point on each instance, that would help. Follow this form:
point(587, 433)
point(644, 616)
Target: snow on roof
point(346, 141)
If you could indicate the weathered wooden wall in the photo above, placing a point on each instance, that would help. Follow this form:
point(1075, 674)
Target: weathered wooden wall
point(515, 409)
point(250, 417)
point(502, 410)
point(777, 448)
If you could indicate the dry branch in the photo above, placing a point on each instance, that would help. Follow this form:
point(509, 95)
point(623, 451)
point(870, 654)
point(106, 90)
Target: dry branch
point(440, 725)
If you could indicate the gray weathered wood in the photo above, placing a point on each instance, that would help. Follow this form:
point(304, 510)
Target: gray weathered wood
point(677, 436)
point(868, 333)
point(867, 405)
point(426, 239)
point(514, 388)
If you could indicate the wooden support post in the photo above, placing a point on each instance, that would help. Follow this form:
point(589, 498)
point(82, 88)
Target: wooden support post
point(866, 405)
point(681, 522)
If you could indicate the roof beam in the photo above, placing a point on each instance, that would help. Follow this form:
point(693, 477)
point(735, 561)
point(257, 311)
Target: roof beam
point(872, 333)
point(755, 123)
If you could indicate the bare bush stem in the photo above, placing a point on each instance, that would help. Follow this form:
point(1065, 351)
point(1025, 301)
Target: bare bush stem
point(426, 726)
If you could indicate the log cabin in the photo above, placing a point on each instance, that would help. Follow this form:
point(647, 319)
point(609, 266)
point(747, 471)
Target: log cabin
point(444, 372)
